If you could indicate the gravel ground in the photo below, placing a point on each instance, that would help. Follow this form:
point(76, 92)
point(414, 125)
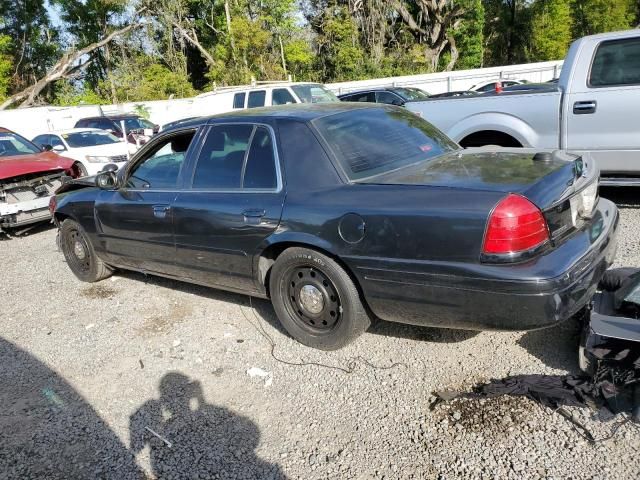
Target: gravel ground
point(144, 377)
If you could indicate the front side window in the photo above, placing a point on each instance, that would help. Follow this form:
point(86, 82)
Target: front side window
point(88, 139)
point(13, 144)
point(160, 167)
point(137, 124)
point(314, 93)
point(281, 96)
point(373, 141)
point(256, 99)
point(238, 100)
point(616, 63)
point(41, 140)
point(236, 156)
point(411, 93)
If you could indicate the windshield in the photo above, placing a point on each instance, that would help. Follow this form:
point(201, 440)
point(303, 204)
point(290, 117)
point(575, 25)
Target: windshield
point(13, 144)
point(374, 141)
point(136, 124)
point(89, 139)
point(314, 93)
point(412, 93)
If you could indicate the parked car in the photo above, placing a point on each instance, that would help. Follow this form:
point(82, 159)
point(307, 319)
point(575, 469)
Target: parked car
point(487, 86)
point(459, 93)
point(169, 125)
point(139, 129)
point(525, 87)
point(589, 113)
point(343, 212)
point(261, 94)
point(91, 147)
point(28, 179)
point(392, 96)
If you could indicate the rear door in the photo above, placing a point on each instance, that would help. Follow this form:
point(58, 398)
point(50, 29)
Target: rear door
point(233, 202)
point(135, 222)
point(601, 108)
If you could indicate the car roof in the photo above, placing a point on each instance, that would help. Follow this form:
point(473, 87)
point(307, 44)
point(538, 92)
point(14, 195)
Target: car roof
point(303, 112)
point(111, 117)
point(70, 130)
point(258, 86)
point(366, 90)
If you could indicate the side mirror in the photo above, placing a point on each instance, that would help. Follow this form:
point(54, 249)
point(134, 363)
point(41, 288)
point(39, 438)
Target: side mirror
point(106, 180)
point(110, 167)
point(46, 147)
point(58, 148)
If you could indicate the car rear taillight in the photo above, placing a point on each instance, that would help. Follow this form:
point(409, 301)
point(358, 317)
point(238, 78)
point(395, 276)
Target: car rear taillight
point(516, 225)
point(53, 203)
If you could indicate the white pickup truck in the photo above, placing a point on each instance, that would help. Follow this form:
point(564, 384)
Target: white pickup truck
point(594, 110)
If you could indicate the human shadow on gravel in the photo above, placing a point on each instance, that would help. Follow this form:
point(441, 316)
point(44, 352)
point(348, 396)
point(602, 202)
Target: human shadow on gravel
point(556, 347)
point(48, 430)
point(190, 438)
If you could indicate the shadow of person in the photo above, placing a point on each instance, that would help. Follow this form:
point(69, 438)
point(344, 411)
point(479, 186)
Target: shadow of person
point(189, 438)
point(48, 430)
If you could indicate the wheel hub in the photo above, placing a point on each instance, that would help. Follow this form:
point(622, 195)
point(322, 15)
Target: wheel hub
point(311, 299)
point(78, 250)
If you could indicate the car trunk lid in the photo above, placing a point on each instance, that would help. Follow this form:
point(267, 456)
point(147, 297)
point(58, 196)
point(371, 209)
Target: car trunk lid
point(555, 181)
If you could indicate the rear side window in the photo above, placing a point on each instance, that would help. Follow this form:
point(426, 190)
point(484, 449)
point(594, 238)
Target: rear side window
point(363, 97)
point(281, 96)
point(388, 97)
point(238, 100)
point(256, 99)
point(236, 156)
point(616, 63)
point(374, 141)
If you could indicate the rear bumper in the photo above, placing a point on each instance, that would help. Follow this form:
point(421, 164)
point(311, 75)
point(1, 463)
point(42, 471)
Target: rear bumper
point(535, 294)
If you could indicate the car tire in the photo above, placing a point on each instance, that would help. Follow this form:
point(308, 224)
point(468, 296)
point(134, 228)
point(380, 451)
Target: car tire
point(79, 253)
point(316, 301)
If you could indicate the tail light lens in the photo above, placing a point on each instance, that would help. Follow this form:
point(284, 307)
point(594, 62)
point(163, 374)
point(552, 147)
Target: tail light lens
point(515, 225)
point(53, 203)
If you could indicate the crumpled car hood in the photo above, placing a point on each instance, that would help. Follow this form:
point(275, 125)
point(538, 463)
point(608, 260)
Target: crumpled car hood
point(17, 165)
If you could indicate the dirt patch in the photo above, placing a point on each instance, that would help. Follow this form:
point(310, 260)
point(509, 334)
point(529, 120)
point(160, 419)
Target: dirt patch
point(486, 414)
point(97, 292)
point(163, 322)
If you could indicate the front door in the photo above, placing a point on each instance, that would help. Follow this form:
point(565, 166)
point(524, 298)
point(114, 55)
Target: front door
point(232, 203)
point(601, 112)
point(135, 222)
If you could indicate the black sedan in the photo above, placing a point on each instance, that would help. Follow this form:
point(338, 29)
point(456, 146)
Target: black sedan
point(343, 213)
point(391, 96)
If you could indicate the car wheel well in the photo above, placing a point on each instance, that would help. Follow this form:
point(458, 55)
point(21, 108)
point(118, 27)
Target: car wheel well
point(490, 137)
point(269, 256)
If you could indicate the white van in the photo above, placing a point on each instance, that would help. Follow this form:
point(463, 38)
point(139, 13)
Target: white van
point(265, 94)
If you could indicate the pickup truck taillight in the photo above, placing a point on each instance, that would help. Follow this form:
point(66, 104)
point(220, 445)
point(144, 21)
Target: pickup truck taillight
point(516, 225)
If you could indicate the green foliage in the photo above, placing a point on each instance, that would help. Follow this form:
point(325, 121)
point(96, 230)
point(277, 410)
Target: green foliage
point(551, 24)
point(143, 79)
point(6, 66)
point(142, 111)
point(71, 94)
point(469, 36)
point(598, 16)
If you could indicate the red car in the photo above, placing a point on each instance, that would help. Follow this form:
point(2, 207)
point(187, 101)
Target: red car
point(28, 179)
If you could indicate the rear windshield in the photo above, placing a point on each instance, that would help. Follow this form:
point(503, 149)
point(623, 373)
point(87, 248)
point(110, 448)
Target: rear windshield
point(136, 123)
point(374, 141)
point(89, 139)
point(314, 93)
point(13, 144)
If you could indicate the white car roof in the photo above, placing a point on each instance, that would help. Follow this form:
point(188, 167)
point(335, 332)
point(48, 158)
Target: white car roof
point(70, 130)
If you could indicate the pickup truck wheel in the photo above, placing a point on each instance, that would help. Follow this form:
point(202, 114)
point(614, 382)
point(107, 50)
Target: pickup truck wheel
point(315, 300)
point(79, 253)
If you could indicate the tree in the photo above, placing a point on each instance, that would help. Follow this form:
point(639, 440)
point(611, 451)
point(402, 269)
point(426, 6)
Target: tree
point(507, 29)
point(598, 16)
point(551, 26)
point(469, 36)
point(6, 66)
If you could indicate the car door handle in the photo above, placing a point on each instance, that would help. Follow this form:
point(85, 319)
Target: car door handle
point(160, 211)
point(585, 108)
point(253, 215)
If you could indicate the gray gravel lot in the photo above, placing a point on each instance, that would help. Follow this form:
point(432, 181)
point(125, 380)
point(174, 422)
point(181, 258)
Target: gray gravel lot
point(92, 375)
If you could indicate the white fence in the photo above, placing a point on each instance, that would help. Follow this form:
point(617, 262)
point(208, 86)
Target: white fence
point(30, 122)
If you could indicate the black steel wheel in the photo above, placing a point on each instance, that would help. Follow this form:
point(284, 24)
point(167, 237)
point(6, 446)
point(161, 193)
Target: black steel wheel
point(79, 253)
point(316, 300)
